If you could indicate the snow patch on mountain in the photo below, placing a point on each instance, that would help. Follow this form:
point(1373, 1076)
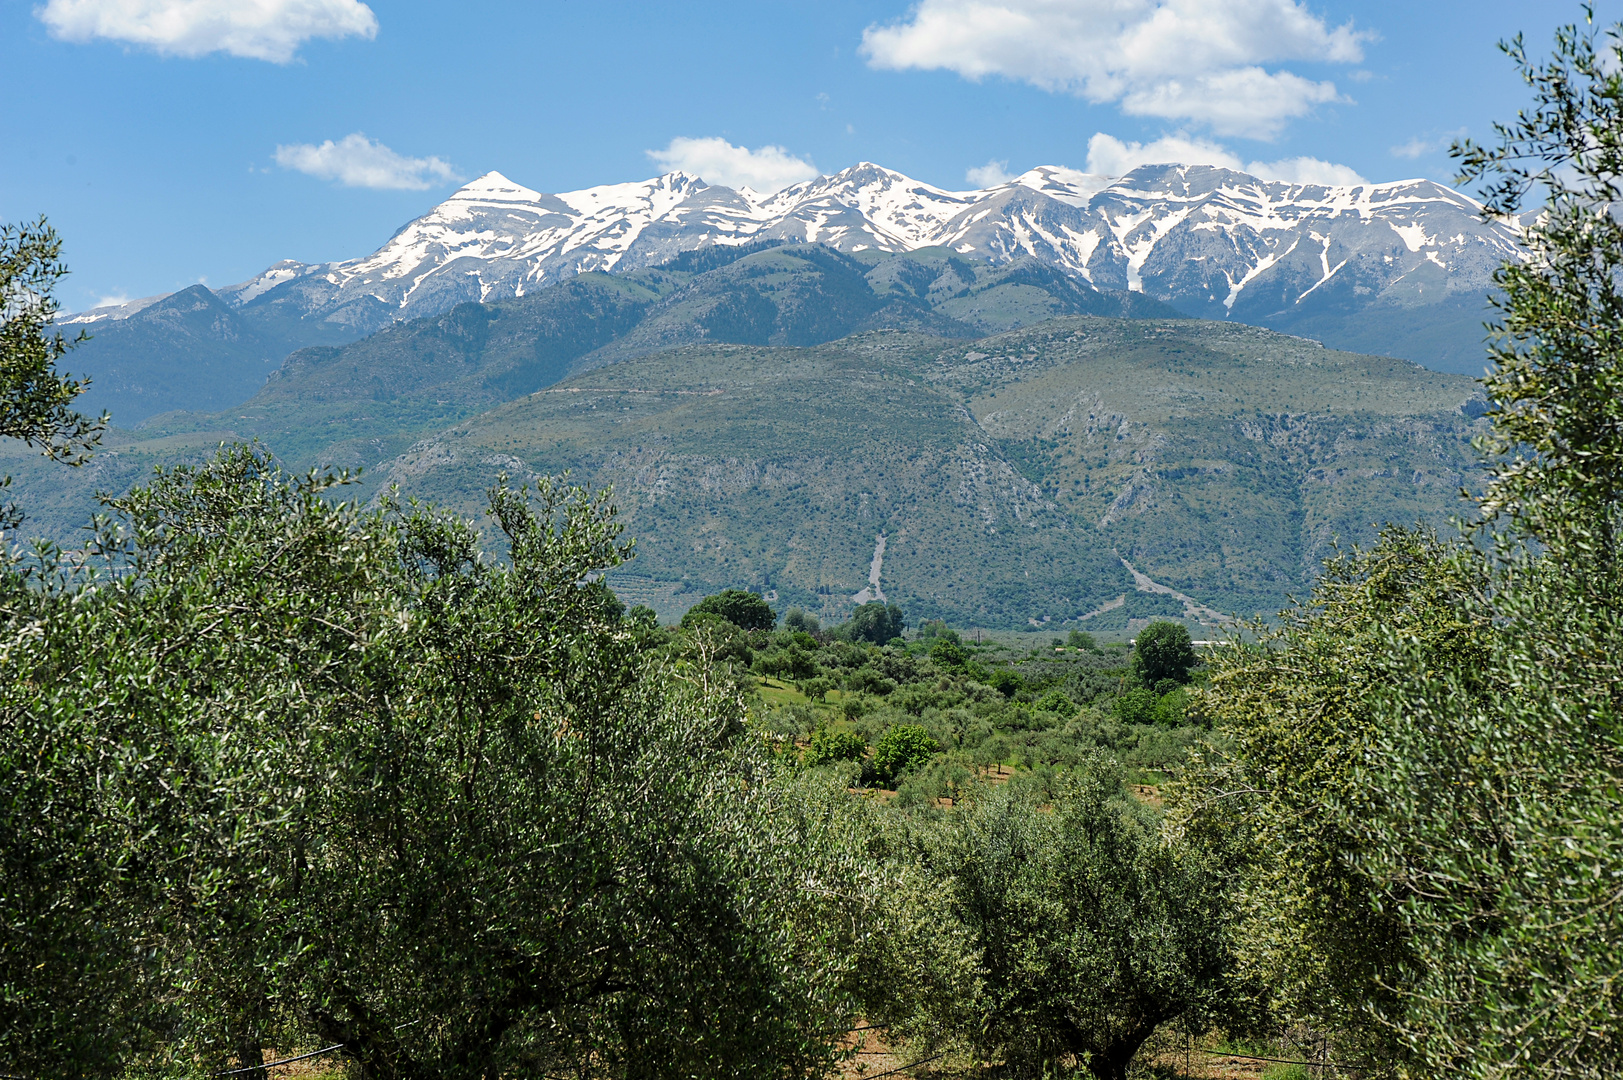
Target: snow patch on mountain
point(1212, 241)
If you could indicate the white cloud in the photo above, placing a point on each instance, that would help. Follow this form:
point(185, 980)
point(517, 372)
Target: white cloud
point(989, 175)
point(261, 29)
point(718, 161)
point(356, 161)
point(1192, 60)
point(1110, 156)
point(1306, 170)
point(1418, 147)
point(117, 299)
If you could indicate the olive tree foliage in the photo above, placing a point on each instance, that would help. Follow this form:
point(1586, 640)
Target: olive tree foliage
point(35, 398)
point(312, 772)
point(1080, 930)
point(1424, 764)
point(1557, 386)
point(1288, 797)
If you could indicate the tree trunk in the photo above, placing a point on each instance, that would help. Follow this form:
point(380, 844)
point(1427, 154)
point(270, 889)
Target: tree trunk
point(250, 1053)
point(1110, 1062)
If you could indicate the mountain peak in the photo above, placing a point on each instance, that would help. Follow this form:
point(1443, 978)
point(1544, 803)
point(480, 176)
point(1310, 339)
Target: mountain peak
point(1216, 242)
point(494, 187)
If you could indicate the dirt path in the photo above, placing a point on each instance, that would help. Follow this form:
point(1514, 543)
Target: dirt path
point(873, 591)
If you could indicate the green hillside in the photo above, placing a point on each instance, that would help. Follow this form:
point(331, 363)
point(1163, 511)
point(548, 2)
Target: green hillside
point(1006, 476)
point(780, 469)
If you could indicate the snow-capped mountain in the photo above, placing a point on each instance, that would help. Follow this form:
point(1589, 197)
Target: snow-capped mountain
point(1213, 242)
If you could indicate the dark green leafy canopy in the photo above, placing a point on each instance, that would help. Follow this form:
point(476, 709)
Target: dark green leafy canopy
point(34, 397)
point(1557, 384)
point(745, 610)
point(874, 621)
point(1162, 650)
point(948, 653)
point(833, 744)
point(902, 749)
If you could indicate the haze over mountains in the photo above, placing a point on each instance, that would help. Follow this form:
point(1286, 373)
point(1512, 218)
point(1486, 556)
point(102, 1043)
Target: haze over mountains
point(1397, 269)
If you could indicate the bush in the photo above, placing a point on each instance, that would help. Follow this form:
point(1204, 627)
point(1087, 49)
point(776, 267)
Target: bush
point(1137, 706)
point(1005, 682)
point(830, 745)
point(901, 750)
point(1055, 702)
point(1172, 709)
point(798, 620)
point(1081, 639)
point(745, 610)
point(948, 654)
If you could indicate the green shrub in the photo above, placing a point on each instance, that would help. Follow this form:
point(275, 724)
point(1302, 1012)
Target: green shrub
point(948, 654)
point(1005, 682)
point(1137, 707)
point(1172, 709)
point(831, 744)
point(901, 750)
point(1056, 702)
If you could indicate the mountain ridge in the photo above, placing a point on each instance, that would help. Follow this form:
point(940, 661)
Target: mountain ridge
point(1212, 242)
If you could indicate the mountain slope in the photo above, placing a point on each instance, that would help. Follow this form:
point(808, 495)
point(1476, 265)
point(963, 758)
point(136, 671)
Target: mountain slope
point(1221, 461)
point(360, 404)
point(1005, 473)
point(781, 469)
point(188, 350)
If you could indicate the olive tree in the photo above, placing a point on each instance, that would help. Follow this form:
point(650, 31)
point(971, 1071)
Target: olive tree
point(1088, 931)
point(35, 399)
point(1424, 763)
point(305, 771)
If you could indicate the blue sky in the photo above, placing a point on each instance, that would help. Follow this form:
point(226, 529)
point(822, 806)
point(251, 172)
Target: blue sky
point(171, 142)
